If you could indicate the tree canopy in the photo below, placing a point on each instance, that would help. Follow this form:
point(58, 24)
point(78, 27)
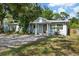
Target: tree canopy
point(47, 13)
point(74, 22)
point(23, 13)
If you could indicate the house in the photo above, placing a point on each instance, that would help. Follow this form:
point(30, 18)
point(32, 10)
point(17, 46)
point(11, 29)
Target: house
point(42, 26)
point(9, 24)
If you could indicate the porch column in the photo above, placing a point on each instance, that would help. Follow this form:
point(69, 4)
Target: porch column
point(32, 29)
point(64, 29)
point(36, 29)
point(47, 29)
point(29, 28)
point(42, 29)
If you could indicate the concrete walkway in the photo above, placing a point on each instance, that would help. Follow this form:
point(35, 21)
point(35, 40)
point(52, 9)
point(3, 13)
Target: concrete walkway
point(15, 40)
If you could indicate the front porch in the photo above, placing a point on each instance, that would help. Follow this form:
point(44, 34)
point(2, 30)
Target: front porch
point(39, 29)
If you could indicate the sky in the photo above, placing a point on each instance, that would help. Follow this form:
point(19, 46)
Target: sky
point(70, 8)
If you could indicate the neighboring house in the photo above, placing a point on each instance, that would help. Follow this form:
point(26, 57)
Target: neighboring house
point(10, 26)
point(42, 26)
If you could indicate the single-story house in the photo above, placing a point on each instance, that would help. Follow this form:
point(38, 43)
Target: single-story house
point(42, 26)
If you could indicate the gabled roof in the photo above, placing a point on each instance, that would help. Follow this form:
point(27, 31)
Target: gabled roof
point(44, 20)
point(40, 20)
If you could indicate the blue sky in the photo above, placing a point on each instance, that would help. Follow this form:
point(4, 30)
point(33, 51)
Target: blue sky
point(70, 8)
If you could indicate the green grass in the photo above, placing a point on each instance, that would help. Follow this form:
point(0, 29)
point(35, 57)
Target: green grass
point(48, 46)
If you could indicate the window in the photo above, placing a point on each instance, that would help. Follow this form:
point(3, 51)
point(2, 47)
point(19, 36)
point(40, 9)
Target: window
point(57, 26)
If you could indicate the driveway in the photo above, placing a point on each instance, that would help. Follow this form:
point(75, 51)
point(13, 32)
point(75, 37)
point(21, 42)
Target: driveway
point(16, 40)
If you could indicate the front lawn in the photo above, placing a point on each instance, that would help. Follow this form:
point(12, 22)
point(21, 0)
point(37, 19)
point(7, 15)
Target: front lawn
point(57, 46)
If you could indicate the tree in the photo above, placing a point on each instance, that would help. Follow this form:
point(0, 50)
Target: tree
point(31, 14)
point(56, 16)
point(64, 15)
point(2, 15)
point(47, 13)
point(74, 22)
point(25, 13)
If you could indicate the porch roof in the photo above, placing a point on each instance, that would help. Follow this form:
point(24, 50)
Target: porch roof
point(42, 20)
